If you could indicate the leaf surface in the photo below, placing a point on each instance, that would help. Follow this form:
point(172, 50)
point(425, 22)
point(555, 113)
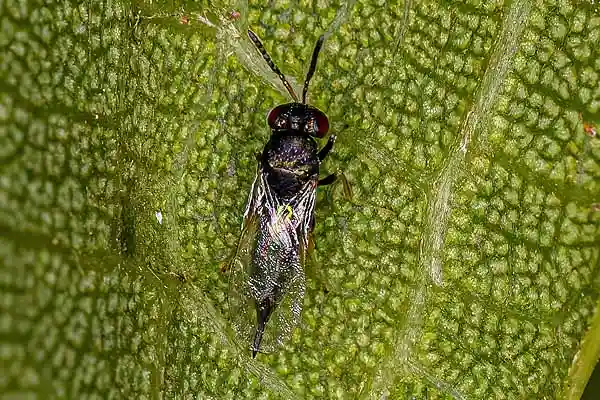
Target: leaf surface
point(466, 265)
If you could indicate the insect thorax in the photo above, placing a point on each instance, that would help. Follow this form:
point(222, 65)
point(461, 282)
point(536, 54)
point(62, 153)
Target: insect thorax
point(290, 161)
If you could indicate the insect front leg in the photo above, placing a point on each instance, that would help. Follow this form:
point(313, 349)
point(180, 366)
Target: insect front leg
point(327, 148)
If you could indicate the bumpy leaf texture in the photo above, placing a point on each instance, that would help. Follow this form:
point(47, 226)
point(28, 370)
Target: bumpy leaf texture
point(466, 265)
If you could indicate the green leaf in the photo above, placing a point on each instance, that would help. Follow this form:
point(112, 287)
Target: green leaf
point(466, 265)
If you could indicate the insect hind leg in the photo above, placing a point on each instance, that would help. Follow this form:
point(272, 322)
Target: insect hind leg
point(328, 180)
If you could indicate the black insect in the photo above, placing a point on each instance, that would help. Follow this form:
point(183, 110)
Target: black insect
point(266, 286)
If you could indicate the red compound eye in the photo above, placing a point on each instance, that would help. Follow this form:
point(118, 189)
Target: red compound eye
point(274, 115)
point(322, 124)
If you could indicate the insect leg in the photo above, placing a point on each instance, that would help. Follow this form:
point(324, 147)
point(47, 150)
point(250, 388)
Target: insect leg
point(328, 180)
point(346, 186)
point(327, 148)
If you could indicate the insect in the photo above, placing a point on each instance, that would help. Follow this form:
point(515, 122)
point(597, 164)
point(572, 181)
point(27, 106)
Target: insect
point(266, 283)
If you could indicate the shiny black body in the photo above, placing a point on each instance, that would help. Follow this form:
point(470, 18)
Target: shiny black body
point(289, 161)
point(268, 270)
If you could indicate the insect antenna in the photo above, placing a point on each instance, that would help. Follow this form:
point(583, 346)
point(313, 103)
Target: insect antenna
point(269, 61)
point(313, 66)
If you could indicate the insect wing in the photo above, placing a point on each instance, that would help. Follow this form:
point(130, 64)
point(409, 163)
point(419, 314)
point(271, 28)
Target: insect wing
point(270, 258)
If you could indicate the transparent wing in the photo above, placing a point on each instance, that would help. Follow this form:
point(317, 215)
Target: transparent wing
point(269, 263)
